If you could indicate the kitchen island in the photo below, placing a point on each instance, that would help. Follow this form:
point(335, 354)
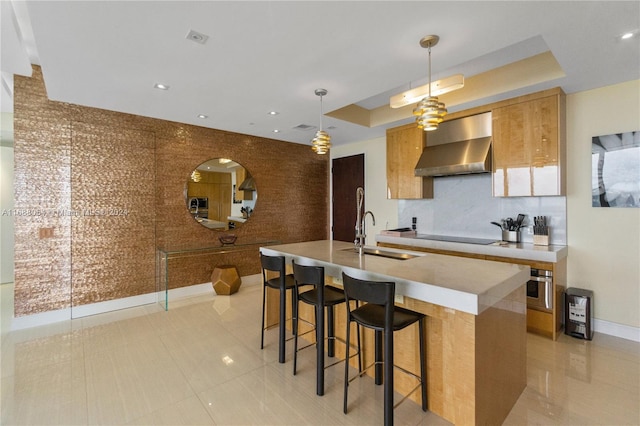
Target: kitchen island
point(476, 323)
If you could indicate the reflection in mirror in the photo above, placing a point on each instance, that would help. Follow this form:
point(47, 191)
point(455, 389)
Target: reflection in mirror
point(221, 194)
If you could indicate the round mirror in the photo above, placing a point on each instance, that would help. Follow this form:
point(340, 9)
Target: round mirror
point(221, 194)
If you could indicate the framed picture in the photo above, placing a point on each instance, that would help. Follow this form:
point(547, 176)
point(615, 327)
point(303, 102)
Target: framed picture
point(615, 170)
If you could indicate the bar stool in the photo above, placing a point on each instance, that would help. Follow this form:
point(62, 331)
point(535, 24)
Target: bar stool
point(282, 282)
point(380, 314)
point(320, 297)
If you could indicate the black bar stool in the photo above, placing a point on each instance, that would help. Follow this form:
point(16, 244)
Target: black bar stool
point(282, 282)
point(320, 297)
point(380, 314)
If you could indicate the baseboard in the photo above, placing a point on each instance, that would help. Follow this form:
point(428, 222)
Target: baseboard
point(618, 330)
point(113, 305)
point(44, 318)
point(35, 320)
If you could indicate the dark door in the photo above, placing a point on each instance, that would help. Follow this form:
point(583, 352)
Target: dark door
point(348, 175)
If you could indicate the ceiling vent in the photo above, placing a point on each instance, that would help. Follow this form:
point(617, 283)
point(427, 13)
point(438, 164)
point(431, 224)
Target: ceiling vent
point(304, 127)
point(197, 37)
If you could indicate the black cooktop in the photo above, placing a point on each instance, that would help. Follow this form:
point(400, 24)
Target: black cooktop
point(451, 239)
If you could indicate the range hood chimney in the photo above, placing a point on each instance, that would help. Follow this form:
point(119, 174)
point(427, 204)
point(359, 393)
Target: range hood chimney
point(460, 146)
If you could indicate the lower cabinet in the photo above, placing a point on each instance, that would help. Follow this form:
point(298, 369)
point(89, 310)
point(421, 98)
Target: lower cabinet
point(548, 324)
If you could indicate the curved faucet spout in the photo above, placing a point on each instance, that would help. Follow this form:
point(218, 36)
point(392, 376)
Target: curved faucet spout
point(373, 218)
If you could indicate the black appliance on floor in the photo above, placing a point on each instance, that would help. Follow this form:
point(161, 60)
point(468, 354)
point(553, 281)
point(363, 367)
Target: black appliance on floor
point(577, 313)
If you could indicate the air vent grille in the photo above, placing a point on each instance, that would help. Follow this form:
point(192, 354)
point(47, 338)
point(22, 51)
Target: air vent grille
point(304, 127)
point(197, 37)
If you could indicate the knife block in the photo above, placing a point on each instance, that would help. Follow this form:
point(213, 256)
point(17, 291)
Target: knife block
point(541, 240)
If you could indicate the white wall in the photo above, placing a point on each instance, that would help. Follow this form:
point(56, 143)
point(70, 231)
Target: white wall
point(6, 220)
point(604, 243)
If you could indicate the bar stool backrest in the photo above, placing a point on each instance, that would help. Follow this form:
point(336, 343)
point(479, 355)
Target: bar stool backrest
point(310, 275)
point(376, 292)
point(274, 264)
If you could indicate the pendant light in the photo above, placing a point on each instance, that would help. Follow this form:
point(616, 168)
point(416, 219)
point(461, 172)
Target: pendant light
point(429, 112)
point(322, 142)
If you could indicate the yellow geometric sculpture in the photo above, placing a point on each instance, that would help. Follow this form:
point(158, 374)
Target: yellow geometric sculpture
point(225, 279)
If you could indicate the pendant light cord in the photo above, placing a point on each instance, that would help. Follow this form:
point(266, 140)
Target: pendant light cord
point(320, 112)
point(429, 70)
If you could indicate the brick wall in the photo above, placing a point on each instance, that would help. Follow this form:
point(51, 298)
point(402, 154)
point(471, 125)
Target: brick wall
point(112, 185)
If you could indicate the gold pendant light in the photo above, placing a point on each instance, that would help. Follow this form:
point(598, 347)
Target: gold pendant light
point(429, 112)
point(322, 142)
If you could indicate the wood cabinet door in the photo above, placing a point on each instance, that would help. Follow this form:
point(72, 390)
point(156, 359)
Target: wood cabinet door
point(545, 147)
point(526, 159)
point(404, 148)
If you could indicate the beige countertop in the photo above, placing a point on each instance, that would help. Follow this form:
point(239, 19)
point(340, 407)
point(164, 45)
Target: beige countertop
point(468, 285)
point(526, 251)
point(212, 224)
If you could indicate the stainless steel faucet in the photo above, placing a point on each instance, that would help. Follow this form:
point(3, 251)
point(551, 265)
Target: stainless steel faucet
point(360, 221)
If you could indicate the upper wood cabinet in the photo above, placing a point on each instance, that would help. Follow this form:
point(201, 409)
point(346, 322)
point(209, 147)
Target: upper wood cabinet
point(404, 147)
point(529, 148)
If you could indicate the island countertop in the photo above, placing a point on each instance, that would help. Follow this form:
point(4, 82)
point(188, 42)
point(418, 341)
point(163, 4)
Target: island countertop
point(468, 285)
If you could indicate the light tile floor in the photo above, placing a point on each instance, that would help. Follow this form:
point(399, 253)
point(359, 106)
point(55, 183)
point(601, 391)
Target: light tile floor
point(201, 363)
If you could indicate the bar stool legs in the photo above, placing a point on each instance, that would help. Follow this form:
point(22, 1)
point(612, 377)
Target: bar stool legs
point(381, 315)
point(321, 297)
point(282, 283)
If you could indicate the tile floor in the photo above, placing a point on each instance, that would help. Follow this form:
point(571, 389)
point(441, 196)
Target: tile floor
point(201, 363)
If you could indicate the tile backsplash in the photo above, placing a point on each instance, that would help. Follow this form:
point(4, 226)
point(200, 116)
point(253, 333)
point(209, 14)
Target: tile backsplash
point(463, 206)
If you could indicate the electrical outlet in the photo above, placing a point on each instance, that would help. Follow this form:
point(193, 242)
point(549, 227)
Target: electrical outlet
point(398, 298)
point(530, 230)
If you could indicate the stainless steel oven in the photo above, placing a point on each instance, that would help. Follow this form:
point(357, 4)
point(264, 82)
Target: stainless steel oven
point(540, 290)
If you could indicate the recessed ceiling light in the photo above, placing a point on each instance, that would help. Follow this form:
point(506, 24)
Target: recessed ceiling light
point(628, 34)
point(197, 37)
point(276, 131)
point(203, 116)
point(273, 113)
point(161, 86)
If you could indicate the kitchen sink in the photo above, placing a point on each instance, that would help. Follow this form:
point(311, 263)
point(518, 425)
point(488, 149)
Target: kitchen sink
point(383, 253)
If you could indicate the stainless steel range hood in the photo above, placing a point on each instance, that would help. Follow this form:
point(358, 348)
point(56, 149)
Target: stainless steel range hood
point(248, 184)
point(461, 146)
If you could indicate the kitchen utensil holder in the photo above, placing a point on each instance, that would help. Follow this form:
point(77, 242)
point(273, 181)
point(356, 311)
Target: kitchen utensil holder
point(511, 236)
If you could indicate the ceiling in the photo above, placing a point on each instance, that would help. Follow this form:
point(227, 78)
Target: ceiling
point(271, 56)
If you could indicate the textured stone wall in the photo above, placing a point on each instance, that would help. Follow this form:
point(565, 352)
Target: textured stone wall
point(97, 191)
